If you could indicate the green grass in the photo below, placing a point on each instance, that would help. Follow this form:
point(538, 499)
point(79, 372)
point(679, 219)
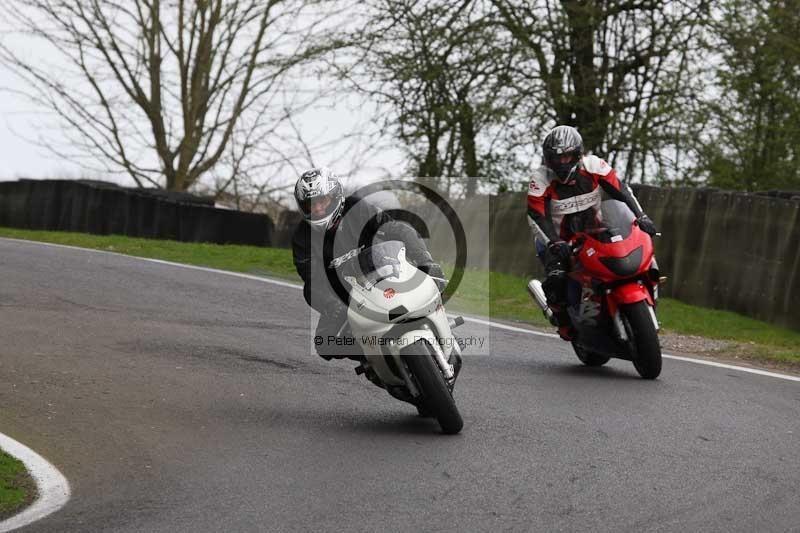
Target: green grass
point(497, 295)
point(765, 341)
point(275, 262)
point(506, 294)
point(16, 487)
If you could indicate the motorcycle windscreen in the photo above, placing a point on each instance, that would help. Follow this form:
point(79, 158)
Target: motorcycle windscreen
point(615, 221)
point(607, 221)
point(380, 261)
point(611, 222)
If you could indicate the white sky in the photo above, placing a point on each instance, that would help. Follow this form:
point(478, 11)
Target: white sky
point(21, 123)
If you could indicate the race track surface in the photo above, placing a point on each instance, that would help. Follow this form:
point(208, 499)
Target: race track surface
point(181, 400)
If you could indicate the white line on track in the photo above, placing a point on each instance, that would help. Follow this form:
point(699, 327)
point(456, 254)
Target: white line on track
point(497, 325)
point(53, 487)
point(666, 356)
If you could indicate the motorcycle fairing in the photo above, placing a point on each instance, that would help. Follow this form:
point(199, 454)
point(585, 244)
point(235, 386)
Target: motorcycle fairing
point(628, 293)
point(394, 304)
point(607, 261)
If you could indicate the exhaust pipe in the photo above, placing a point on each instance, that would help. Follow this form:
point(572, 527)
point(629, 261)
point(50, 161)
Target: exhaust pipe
point(537, 293)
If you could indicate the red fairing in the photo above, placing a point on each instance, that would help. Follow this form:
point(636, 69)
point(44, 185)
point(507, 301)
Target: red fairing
point(593, 250)
point(592, 268)
point(630, 293)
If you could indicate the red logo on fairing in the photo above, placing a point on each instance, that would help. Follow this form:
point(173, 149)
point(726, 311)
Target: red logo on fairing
point(389, 293)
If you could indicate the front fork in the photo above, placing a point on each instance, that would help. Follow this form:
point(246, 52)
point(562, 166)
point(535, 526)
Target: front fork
point(449, 371)
point(426, 332)
point(630, 294)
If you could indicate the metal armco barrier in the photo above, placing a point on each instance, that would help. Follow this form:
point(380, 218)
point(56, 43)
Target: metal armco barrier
point(68, 205)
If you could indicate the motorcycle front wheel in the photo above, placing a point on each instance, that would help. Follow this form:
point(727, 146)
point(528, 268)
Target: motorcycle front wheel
point(643, 337)
point(436, 396)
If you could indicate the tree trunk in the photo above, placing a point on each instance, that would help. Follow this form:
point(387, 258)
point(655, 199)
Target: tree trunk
point(467, 137)
point(584, 106)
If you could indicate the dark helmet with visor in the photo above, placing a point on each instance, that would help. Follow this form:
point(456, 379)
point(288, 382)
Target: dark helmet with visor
point(320, 197)
point(562, 149)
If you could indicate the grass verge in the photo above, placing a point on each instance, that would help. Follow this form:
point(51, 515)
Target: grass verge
point(17, 489)
point(501, 296)
point(276, 262)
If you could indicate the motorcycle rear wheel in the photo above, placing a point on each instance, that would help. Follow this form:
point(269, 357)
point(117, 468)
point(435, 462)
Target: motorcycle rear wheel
point(589, 358)
point(644, 338)
point(436, 396)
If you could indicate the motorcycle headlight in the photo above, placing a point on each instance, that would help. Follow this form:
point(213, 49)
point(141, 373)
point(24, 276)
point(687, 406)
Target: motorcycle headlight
point(624, 266)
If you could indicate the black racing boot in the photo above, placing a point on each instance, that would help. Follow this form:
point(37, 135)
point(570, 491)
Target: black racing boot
point(562, 321)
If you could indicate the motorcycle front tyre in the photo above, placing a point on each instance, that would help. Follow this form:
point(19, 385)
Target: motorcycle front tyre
point(644, 338)
point(436, 396)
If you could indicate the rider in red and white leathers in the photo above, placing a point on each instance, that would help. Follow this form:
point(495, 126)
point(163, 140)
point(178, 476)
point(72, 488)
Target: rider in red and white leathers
point(563, 200)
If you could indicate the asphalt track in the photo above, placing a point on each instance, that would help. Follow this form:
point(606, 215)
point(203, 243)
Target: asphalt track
point(182, 400)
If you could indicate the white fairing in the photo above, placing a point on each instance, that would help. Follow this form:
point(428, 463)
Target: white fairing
point(369, 320)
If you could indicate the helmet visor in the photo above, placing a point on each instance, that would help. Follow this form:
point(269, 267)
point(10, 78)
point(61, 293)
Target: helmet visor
point(563, 164)
point(318, 207)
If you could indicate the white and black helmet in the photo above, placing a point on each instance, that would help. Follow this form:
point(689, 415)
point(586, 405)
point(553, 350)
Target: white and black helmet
point(320, 197)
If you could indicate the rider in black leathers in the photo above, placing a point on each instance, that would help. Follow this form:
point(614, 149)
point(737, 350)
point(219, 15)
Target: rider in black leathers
point(341, 224)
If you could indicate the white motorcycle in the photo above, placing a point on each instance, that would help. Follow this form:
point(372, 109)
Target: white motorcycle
point(397, 317)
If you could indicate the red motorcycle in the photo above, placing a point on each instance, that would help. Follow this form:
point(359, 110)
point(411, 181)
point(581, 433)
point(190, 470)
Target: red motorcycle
point(612, 292)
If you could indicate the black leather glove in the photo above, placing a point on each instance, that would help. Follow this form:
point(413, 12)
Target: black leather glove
point(647, 225)
point(560, 250)
point(435, 271)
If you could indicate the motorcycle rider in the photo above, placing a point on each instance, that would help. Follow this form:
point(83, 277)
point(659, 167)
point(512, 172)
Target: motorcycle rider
point(347, 222)
point(562, 200)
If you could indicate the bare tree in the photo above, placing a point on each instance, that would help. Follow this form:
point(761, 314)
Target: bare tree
point(169, 91)
point(442, 74)
point(623, 71)
point(471, 86)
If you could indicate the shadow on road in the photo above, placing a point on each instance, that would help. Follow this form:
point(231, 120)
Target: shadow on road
point(397, 420)
point(402, 425)
point(587, 372)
